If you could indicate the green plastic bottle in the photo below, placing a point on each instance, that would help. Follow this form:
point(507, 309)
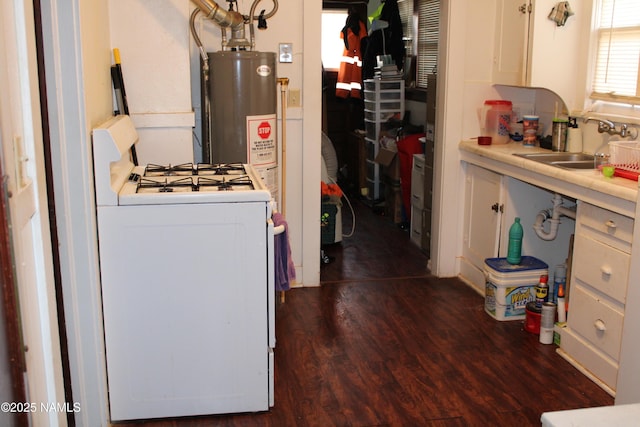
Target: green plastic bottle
point(514, 250)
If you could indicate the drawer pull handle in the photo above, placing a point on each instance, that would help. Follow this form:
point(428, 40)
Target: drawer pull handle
point(606, 270)
point(599, 325)
point(610, 224)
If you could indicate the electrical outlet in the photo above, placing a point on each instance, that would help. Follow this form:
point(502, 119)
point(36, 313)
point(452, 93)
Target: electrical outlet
point(294, 98)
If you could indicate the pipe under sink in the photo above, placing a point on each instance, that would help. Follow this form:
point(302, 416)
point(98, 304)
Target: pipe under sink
point(562, 159)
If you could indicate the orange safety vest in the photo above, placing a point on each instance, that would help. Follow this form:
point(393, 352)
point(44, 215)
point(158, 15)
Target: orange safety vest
point(349, 82)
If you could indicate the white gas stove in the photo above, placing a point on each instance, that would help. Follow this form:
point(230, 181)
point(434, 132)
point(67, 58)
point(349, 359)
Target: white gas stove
point(189, 183)
point(120, 182)
point(187, 276)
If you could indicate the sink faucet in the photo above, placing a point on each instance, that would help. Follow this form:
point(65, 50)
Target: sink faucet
point(603, 125)
point(607, 126)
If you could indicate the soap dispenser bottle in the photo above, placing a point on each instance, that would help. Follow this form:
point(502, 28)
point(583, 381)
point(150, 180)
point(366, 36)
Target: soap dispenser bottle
point(574, 137)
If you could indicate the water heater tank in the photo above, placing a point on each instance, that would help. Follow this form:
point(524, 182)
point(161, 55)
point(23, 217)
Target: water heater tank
point(243, 101)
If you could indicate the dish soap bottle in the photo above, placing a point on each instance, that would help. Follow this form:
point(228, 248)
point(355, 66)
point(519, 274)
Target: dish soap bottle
point(574, 137)
point(514, 250)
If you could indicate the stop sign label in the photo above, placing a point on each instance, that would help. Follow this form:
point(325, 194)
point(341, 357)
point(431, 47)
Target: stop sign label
point(264, 130)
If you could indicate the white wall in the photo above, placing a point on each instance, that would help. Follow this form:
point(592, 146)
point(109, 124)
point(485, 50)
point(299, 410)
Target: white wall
point(463, 80)
point(153, 39)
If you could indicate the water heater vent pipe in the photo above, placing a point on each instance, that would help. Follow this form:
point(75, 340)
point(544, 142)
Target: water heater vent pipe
point(553, 216)
point(235, 21)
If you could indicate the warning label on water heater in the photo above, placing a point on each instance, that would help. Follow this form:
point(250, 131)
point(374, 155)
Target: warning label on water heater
point(262, 150)
point(261, 140)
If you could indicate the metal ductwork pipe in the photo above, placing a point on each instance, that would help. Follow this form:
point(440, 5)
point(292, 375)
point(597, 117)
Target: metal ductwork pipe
point(224, 18)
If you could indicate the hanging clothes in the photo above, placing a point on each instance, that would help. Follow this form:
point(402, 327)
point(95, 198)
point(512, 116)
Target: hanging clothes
point(385, 38)
point(349, 82)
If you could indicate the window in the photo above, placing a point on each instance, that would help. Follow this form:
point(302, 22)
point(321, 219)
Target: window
point(421, 17)
point(429, 25)
point(406, 16)
point(332, 45)
point(617, 63)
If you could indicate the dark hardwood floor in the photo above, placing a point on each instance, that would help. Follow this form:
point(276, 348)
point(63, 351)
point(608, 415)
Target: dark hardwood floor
point(384, 343)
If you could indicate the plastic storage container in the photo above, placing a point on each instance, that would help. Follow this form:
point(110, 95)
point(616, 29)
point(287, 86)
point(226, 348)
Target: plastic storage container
point(510, 287)
point(497, 120)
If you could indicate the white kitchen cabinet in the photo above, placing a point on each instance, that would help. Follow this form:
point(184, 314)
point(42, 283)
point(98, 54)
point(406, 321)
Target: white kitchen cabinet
point(482, 222)
point(597, 293)
point(531, 50)
point(492, 202)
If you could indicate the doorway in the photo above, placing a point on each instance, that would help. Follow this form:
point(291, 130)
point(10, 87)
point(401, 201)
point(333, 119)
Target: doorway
point(340, 116)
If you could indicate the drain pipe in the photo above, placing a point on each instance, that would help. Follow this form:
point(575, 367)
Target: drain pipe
point(284, 84)
point(553, 216)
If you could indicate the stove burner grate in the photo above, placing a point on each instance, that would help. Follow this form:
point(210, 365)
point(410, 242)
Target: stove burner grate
point(220, 168)
point(169, 170)
point(149, 185)
point(224, 184)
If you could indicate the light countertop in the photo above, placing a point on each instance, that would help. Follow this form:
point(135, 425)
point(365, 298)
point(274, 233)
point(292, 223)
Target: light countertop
point(616, 193)
point(620, 416)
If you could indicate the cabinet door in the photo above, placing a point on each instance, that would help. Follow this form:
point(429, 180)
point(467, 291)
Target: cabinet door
point(512, 27)
point(531, 50)
point(554, 52)
point(483, 214)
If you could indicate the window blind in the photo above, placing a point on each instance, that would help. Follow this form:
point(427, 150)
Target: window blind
point(616, 76)
point(421, 17)
point(428, 25)
point(406, 16)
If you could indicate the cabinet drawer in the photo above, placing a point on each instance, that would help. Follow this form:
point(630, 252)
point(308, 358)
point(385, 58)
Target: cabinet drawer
point(598, 322)
point(373, 171)
point(417, 181)
point(428, 187)
point(610, 227)
point(371, 148)
point(380, 84)
point(586, 356)
point(371, 128)
point(429, 153)
point(421, 227)
point(601, 266)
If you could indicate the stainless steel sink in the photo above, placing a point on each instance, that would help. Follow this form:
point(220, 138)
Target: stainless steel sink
point(561, 159)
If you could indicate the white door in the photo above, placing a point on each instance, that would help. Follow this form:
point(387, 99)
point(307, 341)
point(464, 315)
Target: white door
point(22, 159)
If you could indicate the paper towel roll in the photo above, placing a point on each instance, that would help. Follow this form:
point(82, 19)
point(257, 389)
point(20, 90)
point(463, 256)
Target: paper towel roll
point(574, 140)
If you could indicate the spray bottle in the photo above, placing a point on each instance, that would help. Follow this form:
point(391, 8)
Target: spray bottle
point(559, 278)
point(542, 291)
point(562, 309)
